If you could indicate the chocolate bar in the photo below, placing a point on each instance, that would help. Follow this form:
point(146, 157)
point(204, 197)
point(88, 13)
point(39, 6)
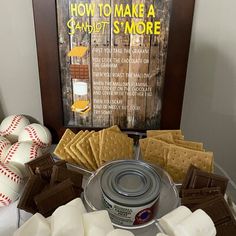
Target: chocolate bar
point(39, 195)
point(198, 179)
point(45, 171)
point(60, 174)
point(221, 215)
point(204, 192)
point(201, 179)
point(192, 202)
point(33, 187)
point(187, 180)
point(194, 197)
point(79, 72)
point(55, 196)
point(39, 162)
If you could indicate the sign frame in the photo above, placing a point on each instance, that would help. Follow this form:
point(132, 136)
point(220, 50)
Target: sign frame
point(45, 19)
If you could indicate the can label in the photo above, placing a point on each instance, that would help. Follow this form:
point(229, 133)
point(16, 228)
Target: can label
point(129, 216)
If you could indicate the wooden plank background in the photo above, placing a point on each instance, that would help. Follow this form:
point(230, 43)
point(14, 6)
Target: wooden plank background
point(149, 108)
point(64, 48)
point(157, 66)
point(102, 41)
point(120, 42)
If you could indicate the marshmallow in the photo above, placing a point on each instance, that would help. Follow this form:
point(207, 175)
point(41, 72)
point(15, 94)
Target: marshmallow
point(67, 220)
point(169, 221)
point(120, 232)
point(161, 234)
point(197, 224)
point(80, 88)
point(77, 202)
point(37, 225)
point(93, 230)
point(99, 219)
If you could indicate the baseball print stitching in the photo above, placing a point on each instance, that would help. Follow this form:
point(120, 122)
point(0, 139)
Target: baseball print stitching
point(10, 174)
point(33, 135)
point(11, 152)
point(4, 200)
point(34, 151)
point(2, 146)
point(12, 126)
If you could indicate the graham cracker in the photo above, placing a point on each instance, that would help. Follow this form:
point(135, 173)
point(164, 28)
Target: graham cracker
point(94, 143)
point(114, 128)
point(190, 144)
point(177, 134)
point(80, 157)
point(143, 145)
point(69, 150)
point(84, 147)
point(156, 152)
point(166, 137)
point(179, 159)
point(60, 148)
point(115, 146)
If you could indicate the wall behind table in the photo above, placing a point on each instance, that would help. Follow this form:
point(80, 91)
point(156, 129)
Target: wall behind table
point(19, 80)
point(209, 111)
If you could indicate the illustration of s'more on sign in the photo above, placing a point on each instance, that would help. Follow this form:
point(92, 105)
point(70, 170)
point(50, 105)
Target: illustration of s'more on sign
point(80, 79)
point(112, 61)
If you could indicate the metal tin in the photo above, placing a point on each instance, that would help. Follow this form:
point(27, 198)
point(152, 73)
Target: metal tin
point(131, 191)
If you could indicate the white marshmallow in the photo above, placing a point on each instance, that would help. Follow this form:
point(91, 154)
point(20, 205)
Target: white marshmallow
point(77, 202)
point(161, 234)
point(120, 232)
point(67, 220)
point(37, 225)
point(80, 88)
point(93, 230)
point(169, 221)
point(197, 224)
point(99, 219)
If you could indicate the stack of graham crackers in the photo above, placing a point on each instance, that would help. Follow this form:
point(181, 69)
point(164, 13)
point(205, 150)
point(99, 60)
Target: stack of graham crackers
point(168, 149)
point(90, 149)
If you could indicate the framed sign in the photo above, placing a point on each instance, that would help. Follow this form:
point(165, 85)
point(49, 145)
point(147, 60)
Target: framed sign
point(112, 62)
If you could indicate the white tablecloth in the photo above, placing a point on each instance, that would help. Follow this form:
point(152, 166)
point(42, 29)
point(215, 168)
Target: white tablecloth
point(10, 218)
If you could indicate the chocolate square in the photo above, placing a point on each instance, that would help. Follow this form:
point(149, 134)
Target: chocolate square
point(60, 174)
point(201, 179)
point(39, 162)
point(192, 202)
point(198, 179)
point(34, 186)
point(49, 200)
point(221, 215)
point(187, 179)
point(200, 192)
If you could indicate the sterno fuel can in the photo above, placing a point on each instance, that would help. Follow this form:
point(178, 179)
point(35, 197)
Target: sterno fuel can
point(131, 191)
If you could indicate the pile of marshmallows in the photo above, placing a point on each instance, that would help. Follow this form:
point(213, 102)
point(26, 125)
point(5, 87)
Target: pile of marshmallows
point(71, 219)
point(20, 142)
point(183, 222)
